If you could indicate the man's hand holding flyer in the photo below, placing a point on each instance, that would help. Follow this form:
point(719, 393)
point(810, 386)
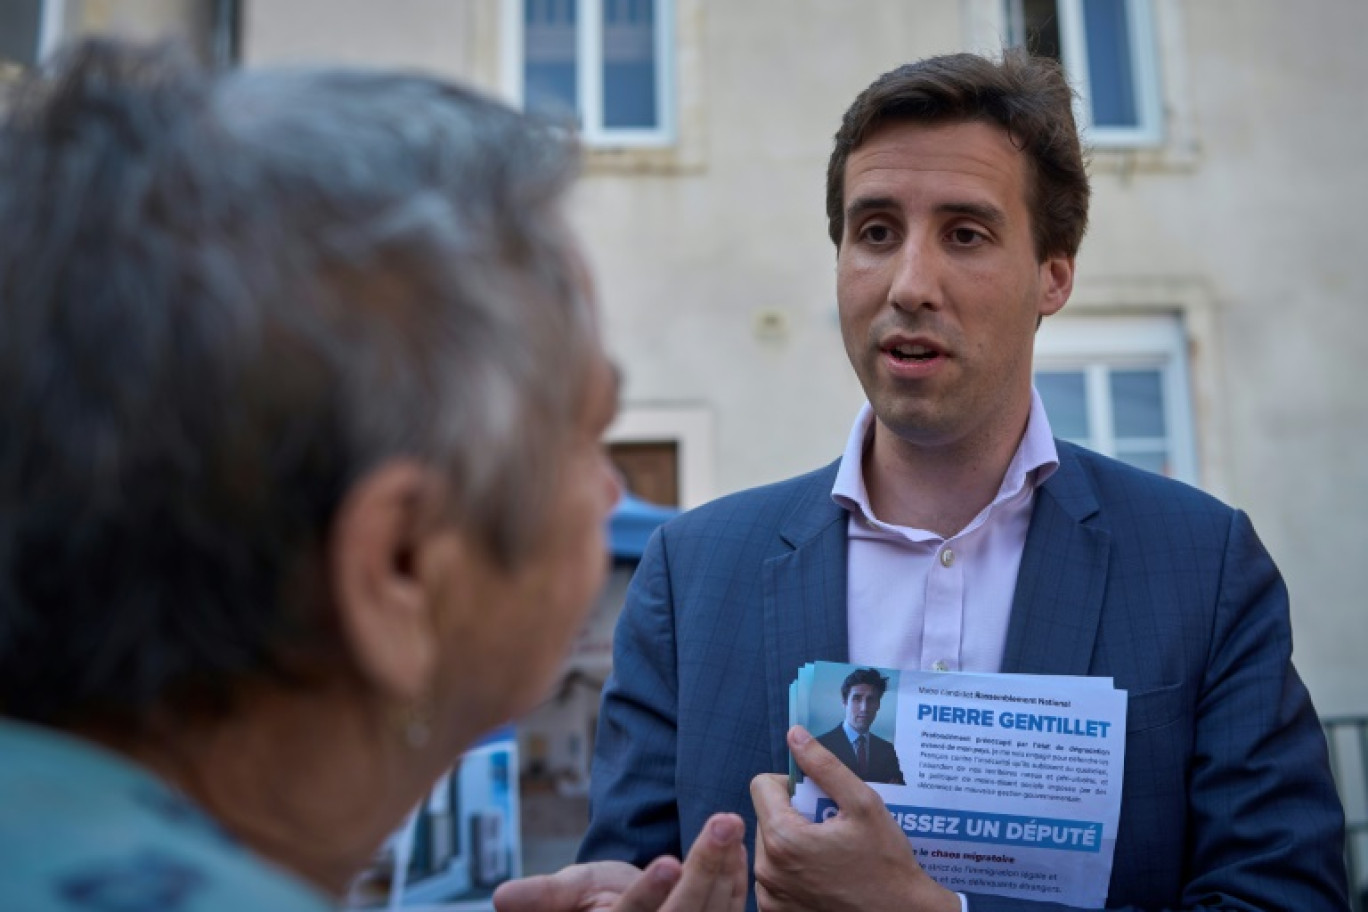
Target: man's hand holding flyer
point(1013, 782)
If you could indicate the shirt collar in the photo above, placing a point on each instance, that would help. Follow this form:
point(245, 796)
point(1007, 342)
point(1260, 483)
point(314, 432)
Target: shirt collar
point(1035, 460)
point(851, 734)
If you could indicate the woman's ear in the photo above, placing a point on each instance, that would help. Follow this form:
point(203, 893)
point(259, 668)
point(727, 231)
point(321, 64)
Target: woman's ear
point(385, 610)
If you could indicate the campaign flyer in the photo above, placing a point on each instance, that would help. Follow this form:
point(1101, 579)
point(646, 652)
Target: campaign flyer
point(1004, 783)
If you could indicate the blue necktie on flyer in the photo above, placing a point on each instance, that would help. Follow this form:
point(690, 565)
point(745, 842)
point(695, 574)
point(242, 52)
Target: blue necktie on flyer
point(862, 755)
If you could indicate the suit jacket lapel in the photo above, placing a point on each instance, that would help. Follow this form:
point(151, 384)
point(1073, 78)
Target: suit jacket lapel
point(1063, 575)
point(805, 598)
point(842, 749)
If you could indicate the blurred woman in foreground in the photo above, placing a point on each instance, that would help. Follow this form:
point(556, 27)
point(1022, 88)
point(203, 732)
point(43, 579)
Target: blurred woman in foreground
point(301, 488)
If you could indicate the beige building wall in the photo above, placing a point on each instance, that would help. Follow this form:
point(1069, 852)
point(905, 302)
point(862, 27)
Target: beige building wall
point(718, 282)
point(186, 21)
point(452, 38)
point(716, 275)
point(1257, 219)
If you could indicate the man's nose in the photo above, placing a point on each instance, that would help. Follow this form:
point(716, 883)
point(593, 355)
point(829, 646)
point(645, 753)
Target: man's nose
point(915, 282)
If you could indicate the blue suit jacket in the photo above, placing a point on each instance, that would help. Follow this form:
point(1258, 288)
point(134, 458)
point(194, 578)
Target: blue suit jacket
point(1228, 800)
point(883, 756)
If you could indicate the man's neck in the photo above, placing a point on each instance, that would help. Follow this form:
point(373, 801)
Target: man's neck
point(937, 488)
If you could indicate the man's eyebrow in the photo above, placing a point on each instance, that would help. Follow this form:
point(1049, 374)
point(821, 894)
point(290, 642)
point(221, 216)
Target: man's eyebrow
point(984, 212)
point(860, 205)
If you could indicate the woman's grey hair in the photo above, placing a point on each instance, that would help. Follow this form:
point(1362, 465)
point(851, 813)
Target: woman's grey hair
point(224, 299)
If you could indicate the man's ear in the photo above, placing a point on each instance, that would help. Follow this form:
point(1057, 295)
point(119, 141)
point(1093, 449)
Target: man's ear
point(385, 611)
point(1056, 284)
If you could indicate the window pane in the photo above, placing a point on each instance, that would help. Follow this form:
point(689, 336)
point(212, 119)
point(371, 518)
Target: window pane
point(1038, 30)
point(1066, 403)
point(1111, 75)
point(549, 80)
point(20, 29)
point(1137, 403)
point(629, 64)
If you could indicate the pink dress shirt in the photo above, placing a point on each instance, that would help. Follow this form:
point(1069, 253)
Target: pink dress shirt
point(917, 600)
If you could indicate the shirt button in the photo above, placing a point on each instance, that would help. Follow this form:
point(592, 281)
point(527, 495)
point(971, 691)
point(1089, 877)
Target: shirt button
point(940, 666)
point(947, 557)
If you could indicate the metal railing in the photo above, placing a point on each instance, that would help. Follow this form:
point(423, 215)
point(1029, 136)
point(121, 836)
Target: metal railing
point(1348, 740)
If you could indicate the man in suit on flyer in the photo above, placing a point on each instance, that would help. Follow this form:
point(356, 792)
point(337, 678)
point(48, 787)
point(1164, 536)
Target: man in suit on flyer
point(870, 757)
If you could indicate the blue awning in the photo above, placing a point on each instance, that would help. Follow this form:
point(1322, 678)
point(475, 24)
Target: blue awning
point(631, 524)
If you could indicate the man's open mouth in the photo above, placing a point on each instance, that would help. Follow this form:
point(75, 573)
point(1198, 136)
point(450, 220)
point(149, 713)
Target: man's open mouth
point(912, 352)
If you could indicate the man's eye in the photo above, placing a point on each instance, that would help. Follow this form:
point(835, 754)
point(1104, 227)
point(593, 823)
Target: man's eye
point(966, 236)
point(877, 234)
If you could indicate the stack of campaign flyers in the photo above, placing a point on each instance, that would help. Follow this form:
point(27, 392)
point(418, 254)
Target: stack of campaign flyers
point(1004, 783)
point(457, 845)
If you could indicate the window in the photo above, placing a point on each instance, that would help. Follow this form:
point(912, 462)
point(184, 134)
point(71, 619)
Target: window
point(603, 65)
point(1107, 47)
point(1119, 385)
point(29, 29)
point(649, 469)
point(675, 440)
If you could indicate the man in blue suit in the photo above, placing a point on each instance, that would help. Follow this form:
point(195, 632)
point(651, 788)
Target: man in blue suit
point(956, 534)
point(868, 756)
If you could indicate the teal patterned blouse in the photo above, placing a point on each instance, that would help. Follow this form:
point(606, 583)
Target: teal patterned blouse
point(84, 830)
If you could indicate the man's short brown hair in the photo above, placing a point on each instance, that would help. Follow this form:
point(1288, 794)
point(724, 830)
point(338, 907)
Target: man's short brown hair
point(1025, 95)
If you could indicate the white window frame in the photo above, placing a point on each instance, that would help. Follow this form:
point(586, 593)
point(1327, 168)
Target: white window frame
point(50, 27)
point(1098, 345)
point(1073, 49)
point(689, 427)
point(589, 73)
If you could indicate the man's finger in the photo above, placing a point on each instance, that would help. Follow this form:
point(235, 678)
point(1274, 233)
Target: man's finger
point(709, 882)
point(518, 895)
point(769, 794)
point(825, 768)
point(652, 889)
point(530, 894)
point(578, 887)
point(545, 891)
point(764, 899)
point(740, 882)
